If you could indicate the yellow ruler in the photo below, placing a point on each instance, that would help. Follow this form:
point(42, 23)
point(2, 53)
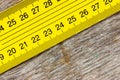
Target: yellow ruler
point(33, 26)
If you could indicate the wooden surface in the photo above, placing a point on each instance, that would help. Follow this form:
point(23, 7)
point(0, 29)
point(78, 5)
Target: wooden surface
point(93, 54)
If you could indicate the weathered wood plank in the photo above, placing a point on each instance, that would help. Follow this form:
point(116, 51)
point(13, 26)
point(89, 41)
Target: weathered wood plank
point(93, 54)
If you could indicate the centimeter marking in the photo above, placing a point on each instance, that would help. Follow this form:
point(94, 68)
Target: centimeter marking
point(40, 24)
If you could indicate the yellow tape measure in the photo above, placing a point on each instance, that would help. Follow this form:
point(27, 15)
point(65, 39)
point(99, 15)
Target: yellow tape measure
point(33, 26)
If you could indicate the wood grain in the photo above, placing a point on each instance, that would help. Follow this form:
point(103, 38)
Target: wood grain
point(93, 54)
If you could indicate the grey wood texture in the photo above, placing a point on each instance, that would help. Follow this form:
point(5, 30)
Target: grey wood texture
point(93, 54)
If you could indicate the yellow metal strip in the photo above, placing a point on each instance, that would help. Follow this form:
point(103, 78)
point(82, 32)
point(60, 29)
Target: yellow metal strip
point(43, 24)
point(15, 8)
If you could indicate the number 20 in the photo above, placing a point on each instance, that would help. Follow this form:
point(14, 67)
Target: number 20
point(11, 51)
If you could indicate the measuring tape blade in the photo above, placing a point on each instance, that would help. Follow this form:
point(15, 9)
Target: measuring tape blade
point(33, 26)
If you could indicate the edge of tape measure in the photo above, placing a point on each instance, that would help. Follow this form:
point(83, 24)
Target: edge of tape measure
point(14, 8)
point(67, 34)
